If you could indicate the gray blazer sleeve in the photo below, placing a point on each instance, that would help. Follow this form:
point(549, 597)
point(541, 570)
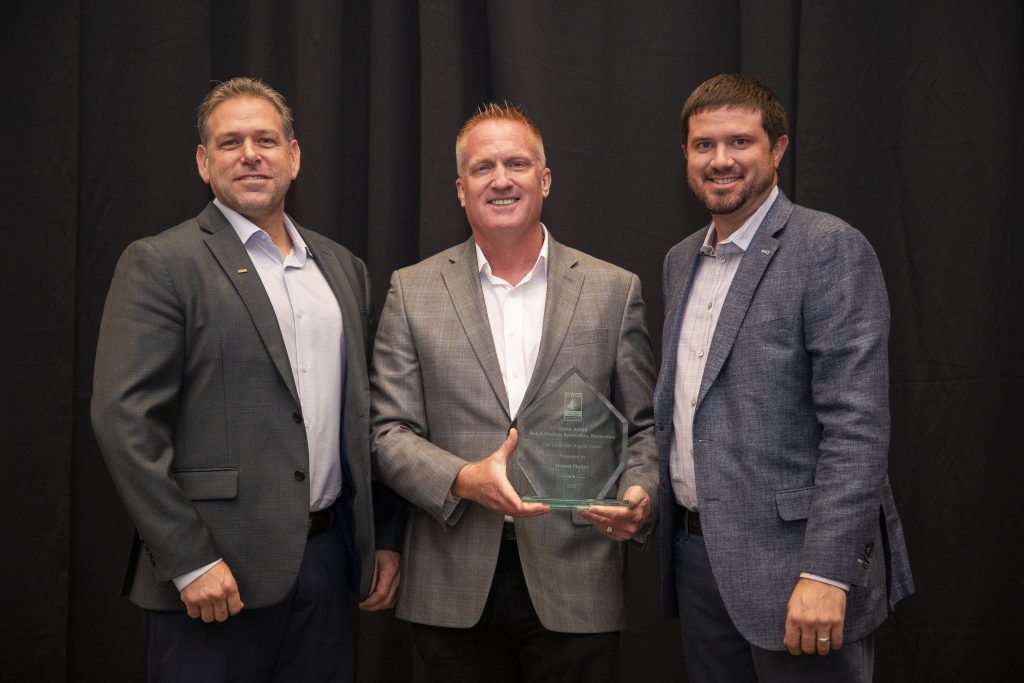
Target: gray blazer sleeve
point(136, 390)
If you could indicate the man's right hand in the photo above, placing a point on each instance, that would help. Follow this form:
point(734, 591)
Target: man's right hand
point(486, 482)
point(214, 595)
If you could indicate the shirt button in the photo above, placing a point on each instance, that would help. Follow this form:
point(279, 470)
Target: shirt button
point(722, 259)
point(709, 306)
point(700, 354)
point(693, 402)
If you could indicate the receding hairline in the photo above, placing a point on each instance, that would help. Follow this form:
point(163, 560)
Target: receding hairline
point(497, 113)
point(242, 87)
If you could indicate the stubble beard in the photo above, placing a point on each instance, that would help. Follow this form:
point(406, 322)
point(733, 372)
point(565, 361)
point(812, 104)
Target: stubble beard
point(720, 205)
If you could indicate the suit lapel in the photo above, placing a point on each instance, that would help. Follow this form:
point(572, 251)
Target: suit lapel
point(748, 276)
point(565, 283)
point(229, 251)
point(462, 278)
point(675, 309)
point(343, 284)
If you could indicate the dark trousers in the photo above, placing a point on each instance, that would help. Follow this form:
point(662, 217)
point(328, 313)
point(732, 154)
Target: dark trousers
point(306, 637)
point(715, 651)
point(509, 644)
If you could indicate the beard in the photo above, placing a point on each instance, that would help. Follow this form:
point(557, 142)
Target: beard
point(755, 183)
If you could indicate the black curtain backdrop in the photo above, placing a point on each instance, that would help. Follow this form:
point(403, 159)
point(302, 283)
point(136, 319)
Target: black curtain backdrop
point(907, 122)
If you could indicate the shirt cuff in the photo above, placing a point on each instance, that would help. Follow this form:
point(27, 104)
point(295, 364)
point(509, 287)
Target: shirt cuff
point(181, 582)
point(822, 579)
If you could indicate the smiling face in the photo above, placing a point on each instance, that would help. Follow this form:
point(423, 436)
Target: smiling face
point(730, 164)
point(502, 183)
point(247, 160)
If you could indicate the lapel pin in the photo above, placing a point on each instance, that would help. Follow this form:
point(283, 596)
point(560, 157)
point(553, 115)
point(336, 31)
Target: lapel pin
point(766, 251)
point(243, 270)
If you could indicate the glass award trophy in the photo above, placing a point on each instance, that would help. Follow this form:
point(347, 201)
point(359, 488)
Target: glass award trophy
point(571, 447)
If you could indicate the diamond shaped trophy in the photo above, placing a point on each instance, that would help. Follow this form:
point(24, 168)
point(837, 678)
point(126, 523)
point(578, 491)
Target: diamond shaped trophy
point(571, 447)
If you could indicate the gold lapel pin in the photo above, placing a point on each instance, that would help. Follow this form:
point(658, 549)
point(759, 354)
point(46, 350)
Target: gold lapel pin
point(243, 270)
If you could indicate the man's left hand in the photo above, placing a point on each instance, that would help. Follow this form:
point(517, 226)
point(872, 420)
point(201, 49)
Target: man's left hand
point(386, 576)
point(620, 523)
point(814, 620)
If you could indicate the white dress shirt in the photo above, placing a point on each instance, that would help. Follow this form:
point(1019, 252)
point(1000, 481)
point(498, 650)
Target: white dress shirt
point(516, 316)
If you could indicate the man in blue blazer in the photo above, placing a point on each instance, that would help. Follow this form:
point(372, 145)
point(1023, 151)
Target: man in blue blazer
point(231, 404)
point(779, 536)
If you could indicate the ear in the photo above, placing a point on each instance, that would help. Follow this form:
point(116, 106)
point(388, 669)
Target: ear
point(296, 154)
point(545, 182)
point(202, 161)
point(780, 148)
point(461, 190)
point(683, 147)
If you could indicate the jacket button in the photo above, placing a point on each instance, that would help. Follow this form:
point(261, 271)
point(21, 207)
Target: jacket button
point(300, 475)
point(296, 417)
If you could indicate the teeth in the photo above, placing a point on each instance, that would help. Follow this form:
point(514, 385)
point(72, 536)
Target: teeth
point(502, 202)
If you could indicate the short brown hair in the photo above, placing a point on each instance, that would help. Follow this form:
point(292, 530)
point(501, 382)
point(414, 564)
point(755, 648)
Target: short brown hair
point(735, 90)
point(242, 86)
point(492, 111)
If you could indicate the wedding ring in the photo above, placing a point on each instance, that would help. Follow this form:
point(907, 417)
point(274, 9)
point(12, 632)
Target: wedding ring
point(608, 530)
point(824, 640)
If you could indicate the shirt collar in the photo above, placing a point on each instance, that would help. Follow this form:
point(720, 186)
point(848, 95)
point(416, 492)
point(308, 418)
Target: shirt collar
point(742, 237)
point(542, 262)
point(245, 229)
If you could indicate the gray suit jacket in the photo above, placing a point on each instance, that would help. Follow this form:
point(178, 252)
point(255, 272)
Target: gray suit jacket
point(791, 427)
point(196, 413)
point(439, 401)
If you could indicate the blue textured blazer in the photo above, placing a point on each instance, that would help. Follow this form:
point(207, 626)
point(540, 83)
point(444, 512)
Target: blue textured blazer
point(791, 427)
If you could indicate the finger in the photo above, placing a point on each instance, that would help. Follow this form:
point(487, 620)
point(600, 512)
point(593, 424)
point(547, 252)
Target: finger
point(792, 640)
point(376, 577)
point(837, 635)
point(372, 602)
point(235, 604)
point(807, 641)
point(192, 611)
point(823, 641)
point(220, 610)
point(509, 444)
point(206, 612)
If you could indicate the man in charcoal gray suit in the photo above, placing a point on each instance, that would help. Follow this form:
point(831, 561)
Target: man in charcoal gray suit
point(231, 404)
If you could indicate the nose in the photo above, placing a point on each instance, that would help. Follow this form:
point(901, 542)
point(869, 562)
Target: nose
point(721, 157)
point(500, 178)
point(250, 154)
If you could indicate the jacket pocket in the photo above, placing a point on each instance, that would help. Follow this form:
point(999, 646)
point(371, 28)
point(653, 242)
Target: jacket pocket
point(794, 504)
point(211, 484)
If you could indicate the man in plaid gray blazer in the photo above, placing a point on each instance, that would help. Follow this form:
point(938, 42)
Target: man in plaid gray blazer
point(498, 589)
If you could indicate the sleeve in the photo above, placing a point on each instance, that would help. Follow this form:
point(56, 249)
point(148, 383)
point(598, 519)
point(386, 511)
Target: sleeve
point(404, 458)
point(846, 327)
point(136, 390)
point(633, 395)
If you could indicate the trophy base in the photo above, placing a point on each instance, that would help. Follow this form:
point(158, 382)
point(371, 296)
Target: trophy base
point(574, 503)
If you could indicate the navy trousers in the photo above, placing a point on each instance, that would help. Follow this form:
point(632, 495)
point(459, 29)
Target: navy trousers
point(715, 651)
point(306, 637)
